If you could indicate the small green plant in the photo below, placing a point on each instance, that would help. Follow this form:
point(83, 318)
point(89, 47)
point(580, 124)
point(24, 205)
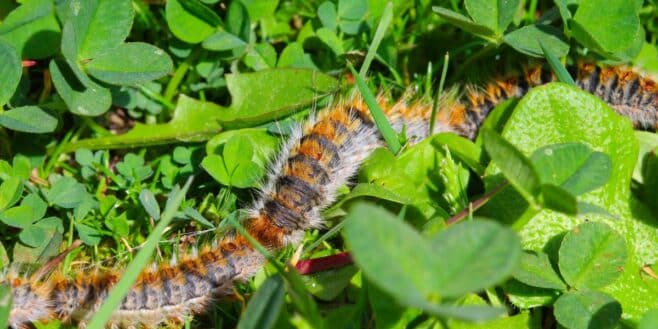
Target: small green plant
point(590, 257)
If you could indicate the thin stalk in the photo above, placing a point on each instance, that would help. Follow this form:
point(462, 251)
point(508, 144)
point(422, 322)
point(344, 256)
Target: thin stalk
point(157, 97)
point(475, 205)
point(178, 76)
point(439, 93)
point(387, 17)
point(133, 270)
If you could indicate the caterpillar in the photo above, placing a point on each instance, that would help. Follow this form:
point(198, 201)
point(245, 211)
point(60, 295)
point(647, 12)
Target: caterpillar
point(318, 157)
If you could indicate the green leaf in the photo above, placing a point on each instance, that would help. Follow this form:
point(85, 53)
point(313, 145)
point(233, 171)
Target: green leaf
point(89, 235)
point(237, 149)
point(548, 115)
point(47, 248)
point(99, 25)
point(462, 149)
point(494, 14)
point(133, 168)
point(464, 22)
point(351, 15)
point(195, 215)
point(522, 320)
point(558, 113)
point(592, 256)
point(364, 190)
point(66, 192)
point(84, 157)
point(223, 40)
point(118, 224)
point(406, 175)
point(10, 71)
point(190, 20)
point(90, 99)
point(22, 167)
point(386, 312)
point(129, 64)
point(5, 304)
point(611, 27)
point(235, 167)
point(214, 165)
point(260, 9)
point(19, 216)
point(328, 284)
point(464, 313)
point(193, 121)
point(528, 40)
point(287, 90)
point(237, 20)
point(476, 254)
point(647, 59)
point(84, 207)
point(257, 98)
point(293, 56)
point(262, 56)
point(525, 296)
point(149, 203)
point(399, 261)
point(648, 143)
point(391, 254)
point(10, 192)
point(535, 270)
point(29, 119)
point(650, 178)
point(556, 198)
point(573, 166)
point(565, 13)
point(70, 52)
point(263, 146)
point(649, 320)
point(33, 235)
point(331, 40)
point(328, 15)
point(37, 205)
point(265, 305)
point(517, 168)
point(32, 29)
point(587, 309)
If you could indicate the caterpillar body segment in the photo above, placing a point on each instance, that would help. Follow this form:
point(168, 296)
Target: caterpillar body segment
point(318, 157)
point(626, 91)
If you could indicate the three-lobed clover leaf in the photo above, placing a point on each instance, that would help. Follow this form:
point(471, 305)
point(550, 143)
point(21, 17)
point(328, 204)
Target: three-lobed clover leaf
point(421, 272)
point(133, 168)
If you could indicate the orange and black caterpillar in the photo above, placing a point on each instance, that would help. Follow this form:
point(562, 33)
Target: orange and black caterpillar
point(318, 158)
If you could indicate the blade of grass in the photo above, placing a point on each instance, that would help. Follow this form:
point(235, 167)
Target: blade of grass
point(6, 299)
point(557, 67)
point(439, 93)
point(387, 17)
point(390, 136)
point(140, 261)
point(324, 237)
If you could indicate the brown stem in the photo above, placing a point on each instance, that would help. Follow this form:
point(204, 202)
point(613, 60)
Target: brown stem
point(475, 205)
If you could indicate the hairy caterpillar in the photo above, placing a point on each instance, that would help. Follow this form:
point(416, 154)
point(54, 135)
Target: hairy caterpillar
point(316, 160)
